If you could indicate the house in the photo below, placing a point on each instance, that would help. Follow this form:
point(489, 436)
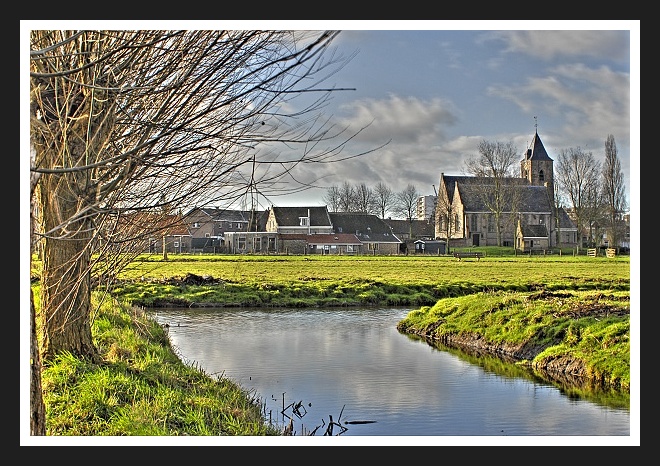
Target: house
point(375, 235)
point(324, 244)
point(464, 218)
point(153, 232)
point(531, 237)
point(208, 226)
point(251, 242)
point(299, 220)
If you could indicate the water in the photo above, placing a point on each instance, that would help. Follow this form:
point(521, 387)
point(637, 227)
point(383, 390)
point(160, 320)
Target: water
point(352, 364)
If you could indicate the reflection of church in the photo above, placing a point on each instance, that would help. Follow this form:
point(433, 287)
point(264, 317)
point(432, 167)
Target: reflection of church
point(528, 216)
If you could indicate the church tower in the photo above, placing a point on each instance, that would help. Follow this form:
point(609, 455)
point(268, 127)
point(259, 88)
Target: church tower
point(536, 166)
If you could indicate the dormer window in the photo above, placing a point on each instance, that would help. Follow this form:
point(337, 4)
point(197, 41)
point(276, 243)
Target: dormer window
point(304, 221)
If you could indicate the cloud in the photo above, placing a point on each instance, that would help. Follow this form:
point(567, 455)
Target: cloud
point(549, 45)
point(587, 99)
point(401, 119)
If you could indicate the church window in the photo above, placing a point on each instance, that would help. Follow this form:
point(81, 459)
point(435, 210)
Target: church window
point(491, 224)
point(541, 175)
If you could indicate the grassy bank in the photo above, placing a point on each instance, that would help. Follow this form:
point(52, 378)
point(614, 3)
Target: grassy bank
point(303, 281)
point(142, 388)
point(580, 337)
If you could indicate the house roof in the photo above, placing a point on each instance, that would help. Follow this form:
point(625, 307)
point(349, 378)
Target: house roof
point(290, 216)
point(565, 222)
point(535, 231)
point(420, 228)
point(155, 222)
point(367, 227)
point(226, 215)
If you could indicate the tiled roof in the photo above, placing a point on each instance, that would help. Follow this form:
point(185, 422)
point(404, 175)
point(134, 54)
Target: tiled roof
point(367, 227)
point(529, 198)
point(419, 227)
point(535, 231)
point(290, 216)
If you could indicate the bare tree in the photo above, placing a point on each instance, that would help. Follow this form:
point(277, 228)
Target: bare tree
point(445, 218)
point(365, 200)
point(614, 193)
point(384, 198)
point(577, 175)
point(406, 205)
point(131, 122)
point(346, 197)
point(494, 170)
point(332, 198)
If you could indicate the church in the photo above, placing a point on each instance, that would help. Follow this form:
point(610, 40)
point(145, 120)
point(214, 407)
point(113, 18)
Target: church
point(515, 212)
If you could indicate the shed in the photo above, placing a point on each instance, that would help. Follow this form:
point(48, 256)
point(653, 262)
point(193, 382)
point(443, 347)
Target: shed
point(423, 246)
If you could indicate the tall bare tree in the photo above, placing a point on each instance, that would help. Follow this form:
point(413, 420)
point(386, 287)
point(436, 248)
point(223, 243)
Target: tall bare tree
point(495, 180)
point(384, 198)
point(577, 174)
point(332, 198)
point(406, 205)
point(365, 200)
point(445, 217)
point(613, 193)
point(347, 197)
point(125, 123)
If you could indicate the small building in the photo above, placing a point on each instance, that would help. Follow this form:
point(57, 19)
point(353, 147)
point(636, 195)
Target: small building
point(435, 247)
point(532, 237)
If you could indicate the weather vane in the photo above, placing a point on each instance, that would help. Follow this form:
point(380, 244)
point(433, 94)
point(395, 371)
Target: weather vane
point(535, 123)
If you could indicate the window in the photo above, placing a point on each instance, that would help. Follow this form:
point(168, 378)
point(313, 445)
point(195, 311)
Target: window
point(207, 235)
point(195, 225)
point(241, 243)
point(304, 221)
point(491, 224)
point(541, 175)
point(257, 244)
point(271, 243)
point(349, 248)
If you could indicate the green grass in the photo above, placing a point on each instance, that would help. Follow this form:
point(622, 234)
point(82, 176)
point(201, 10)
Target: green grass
point(142, 388)
point(590, 326)
point(365, 280)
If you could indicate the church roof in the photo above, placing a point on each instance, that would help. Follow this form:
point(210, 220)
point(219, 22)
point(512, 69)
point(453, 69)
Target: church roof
point(528, 198)
point(536, 150)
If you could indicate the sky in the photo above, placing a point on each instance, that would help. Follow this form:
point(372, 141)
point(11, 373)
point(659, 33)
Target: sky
point(433, 90)
point(436, 93)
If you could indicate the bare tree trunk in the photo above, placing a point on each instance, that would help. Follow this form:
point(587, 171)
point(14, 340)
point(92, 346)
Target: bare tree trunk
point(37, 408)
point(65, 280)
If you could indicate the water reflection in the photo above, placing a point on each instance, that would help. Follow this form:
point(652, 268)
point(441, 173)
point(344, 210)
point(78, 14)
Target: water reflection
point(509, 369)
point(353, 364)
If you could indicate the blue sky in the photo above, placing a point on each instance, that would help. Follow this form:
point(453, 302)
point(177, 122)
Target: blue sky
point(438, 88)
point(436, 93)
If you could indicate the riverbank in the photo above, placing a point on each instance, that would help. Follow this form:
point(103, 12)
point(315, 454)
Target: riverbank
point(579, 339)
